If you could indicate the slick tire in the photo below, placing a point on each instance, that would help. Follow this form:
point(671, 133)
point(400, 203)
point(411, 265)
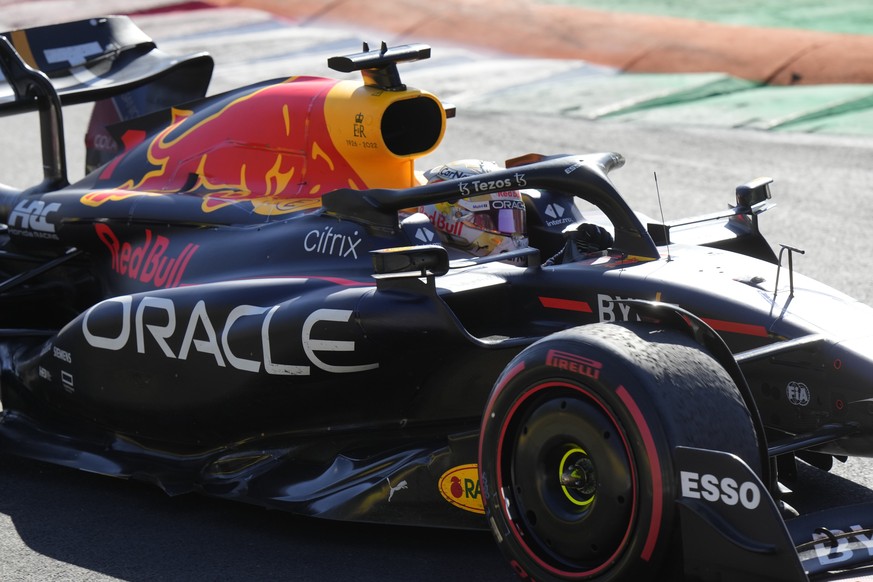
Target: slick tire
point(575, 448)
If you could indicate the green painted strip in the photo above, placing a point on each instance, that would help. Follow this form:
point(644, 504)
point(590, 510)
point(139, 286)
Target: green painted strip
point(763, 107)
point(844, 16)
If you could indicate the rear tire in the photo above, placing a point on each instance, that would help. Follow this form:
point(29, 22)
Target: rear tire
point(576, 443)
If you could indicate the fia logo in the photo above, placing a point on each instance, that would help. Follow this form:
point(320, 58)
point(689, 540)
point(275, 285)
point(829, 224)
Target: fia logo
point(797, 393)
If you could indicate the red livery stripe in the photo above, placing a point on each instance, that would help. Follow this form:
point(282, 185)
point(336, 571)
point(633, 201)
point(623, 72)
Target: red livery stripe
point(566, 304)
point(734, 327)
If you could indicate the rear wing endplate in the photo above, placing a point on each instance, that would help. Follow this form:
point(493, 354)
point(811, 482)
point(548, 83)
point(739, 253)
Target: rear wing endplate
point(46, 67)
point(88, 60)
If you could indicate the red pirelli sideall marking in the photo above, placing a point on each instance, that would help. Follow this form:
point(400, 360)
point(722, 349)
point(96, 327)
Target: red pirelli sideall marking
point(519, 538)
point(657, 484)
point(574, 363)
point(734, 327)
point(565, 304)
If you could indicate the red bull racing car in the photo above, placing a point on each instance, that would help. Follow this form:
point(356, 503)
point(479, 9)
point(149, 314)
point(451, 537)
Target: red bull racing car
point(239, 299)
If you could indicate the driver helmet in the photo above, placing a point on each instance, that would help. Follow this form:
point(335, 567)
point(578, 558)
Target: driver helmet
point(482, 225)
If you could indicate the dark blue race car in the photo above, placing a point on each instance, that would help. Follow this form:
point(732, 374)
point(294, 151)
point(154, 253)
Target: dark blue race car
point(240, 299)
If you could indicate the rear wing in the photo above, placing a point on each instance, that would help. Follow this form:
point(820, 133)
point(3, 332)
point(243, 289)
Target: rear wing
point(88, 61)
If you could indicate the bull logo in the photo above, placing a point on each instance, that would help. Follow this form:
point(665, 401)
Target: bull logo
point(251, 149)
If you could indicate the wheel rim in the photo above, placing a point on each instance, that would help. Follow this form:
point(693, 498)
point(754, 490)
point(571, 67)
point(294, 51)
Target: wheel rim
point(566, 472)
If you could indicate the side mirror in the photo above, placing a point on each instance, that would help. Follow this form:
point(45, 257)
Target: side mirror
point(418, 261)
point(754, 192)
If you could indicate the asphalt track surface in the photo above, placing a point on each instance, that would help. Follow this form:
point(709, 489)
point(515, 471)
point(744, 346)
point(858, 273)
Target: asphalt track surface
point(58, 524)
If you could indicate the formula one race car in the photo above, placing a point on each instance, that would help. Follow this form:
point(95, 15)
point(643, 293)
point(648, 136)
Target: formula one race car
point(240, 299)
